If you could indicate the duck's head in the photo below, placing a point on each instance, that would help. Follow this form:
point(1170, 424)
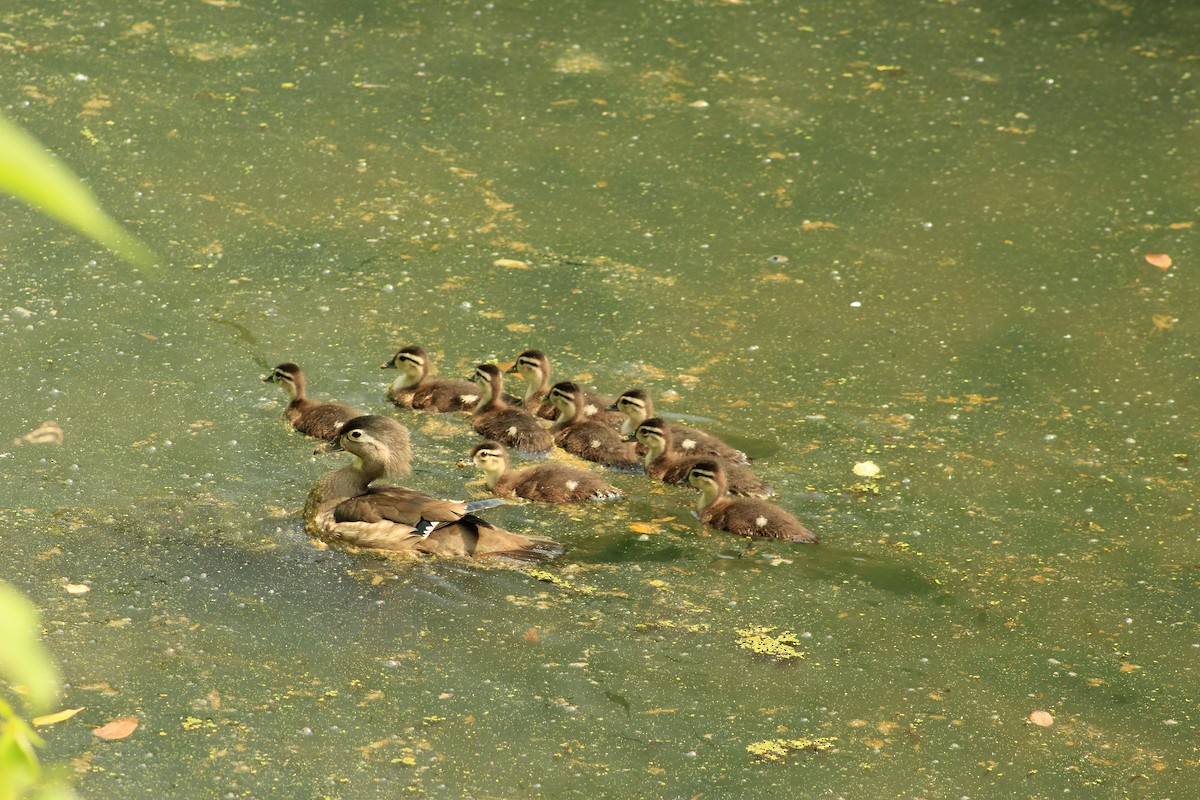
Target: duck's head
point(490, 457)
point(488, 378)
point(289, 376)
point(708, 477)
point(532, 365)
point(381, 443)
point(654, 434)
point(634, 404)
point(411, 360)
point(567, 397)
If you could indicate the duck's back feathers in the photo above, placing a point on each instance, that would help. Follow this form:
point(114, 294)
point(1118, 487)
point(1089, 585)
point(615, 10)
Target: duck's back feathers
point(752, 517)
point(319, 420)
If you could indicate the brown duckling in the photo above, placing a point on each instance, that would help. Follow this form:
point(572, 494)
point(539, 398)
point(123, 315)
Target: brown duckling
point(494, 419)
point(310, 417)
point(542, 483)
point(744, 516)
point(637, 408)
point(534, 367)
point(585, 436)
point(663, 463)
point(343, 506)
point(413, 388)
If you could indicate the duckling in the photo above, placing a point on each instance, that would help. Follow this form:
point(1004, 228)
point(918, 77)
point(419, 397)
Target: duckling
point(413, 388)
point(584, 436)
point(493, 419)
point(534, 367)
point(663, 463)
point(310, 417)
point(343, 506)
point(543, 483)
point(742, 515)
point(637, 408)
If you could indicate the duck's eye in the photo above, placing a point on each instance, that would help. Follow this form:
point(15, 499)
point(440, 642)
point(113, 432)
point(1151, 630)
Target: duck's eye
point(355, 434)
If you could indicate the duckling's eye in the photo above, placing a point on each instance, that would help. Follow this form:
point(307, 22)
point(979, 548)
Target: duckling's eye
point(355, 434)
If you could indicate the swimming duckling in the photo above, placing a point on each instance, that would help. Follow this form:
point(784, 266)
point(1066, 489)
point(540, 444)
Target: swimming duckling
point(663, 463)
point(343, 506)
point(543, 483)
point(493, 419)
point(534, 367)
point(637, 408)
point(585, 436)
point(310, 417)
point(413, 388)
point(742, 515)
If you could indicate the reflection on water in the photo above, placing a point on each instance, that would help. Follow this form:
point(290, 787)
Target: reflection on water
point(903, 233)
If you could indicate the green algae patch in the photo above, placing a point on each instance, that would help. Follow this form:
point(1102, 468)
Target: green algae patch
point(777, 751)
point(762, 640)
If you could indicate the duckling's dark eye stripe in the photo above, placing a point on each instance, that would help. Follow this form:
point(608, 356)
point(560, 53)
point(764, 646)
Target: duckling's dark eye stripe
point(651, 431)
point(528, 362)
point(409, 358)
point(703, 473)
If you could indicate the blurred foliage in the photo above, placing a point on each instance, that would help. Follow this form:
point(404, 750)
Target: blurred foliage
point(31, 174)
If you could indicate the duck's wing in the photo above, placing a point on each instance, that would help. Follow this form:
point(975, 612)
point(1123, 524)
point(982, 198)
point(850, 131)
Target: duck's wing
point(398, 504)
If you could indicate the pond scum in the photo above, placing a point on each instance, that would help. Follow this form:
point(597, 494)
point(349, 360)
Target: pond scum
point(758, 639)
point(777, 750)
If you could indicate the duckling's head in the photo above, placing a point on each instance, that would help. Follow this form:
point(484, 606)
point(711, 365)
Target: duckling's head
point(411, 360)
point(708, 477)
point(488, 378)
point(654, 434)
point(381, 443)
point(634, 404)
point(567, 397)
point(532, 365)
point(289, 376)
point(489, 457)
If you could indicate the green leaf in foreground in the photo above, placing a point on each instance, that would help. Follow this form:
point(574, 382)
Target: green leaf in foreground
point(30, 173)
point(23, 659)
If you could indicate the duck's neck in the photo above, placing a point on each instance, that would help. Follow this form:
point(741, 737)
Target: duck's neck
point(406, 380)
point(491, 476)
point(653, 451)
point(709, 495)
point(537, 385)
point(295, 389)
point(342, 484)
point(489, 397)
point(633, 418)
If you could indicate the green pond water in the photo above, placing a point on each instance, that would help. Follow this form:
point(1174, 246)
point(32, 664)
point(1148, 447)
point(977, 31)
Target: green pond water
point(906, 232)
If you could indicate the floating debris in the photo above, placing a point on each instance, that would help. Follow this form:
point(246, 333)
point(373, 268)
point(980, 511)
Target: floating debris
point(758, 639)
point(776, 751)
point(46, 433)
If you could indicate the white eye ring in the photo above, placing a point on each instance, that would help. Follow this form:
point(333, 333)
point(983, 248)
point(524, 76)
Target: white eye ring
point(355, 434)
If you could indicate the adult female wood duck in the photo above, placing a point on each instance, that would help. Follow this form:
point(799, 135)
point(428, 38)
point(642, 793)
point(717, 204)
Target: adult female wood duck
point(637, 408)
point(542, 483)
point(744, 516)
point(413, 388)
point(585, 436)
point(494, 419)
point(310, 417)
point(343, 506)
point(534, 367)
point(663, 463)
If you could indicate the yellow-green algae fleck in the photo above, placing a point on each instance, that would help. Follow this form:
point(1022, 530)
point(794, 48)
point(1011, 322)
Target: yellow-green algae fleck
point(776, 751)
point(759, 639)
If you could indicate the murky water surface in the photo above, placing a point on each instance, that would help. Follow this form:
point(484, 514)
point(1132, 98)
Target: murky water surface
point(906, 232)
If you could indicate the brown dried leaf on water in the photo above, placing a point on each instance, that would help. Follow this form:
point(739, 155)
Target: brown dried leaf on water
point(816, 225)
point(644, 527)
point(1160, 260)
point(510, 263)
point(519, 327)
point(531, 635)
point(77, 588)
point(117, 729)
point(57, 716)
point(47, 433)
point(1041, 718)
